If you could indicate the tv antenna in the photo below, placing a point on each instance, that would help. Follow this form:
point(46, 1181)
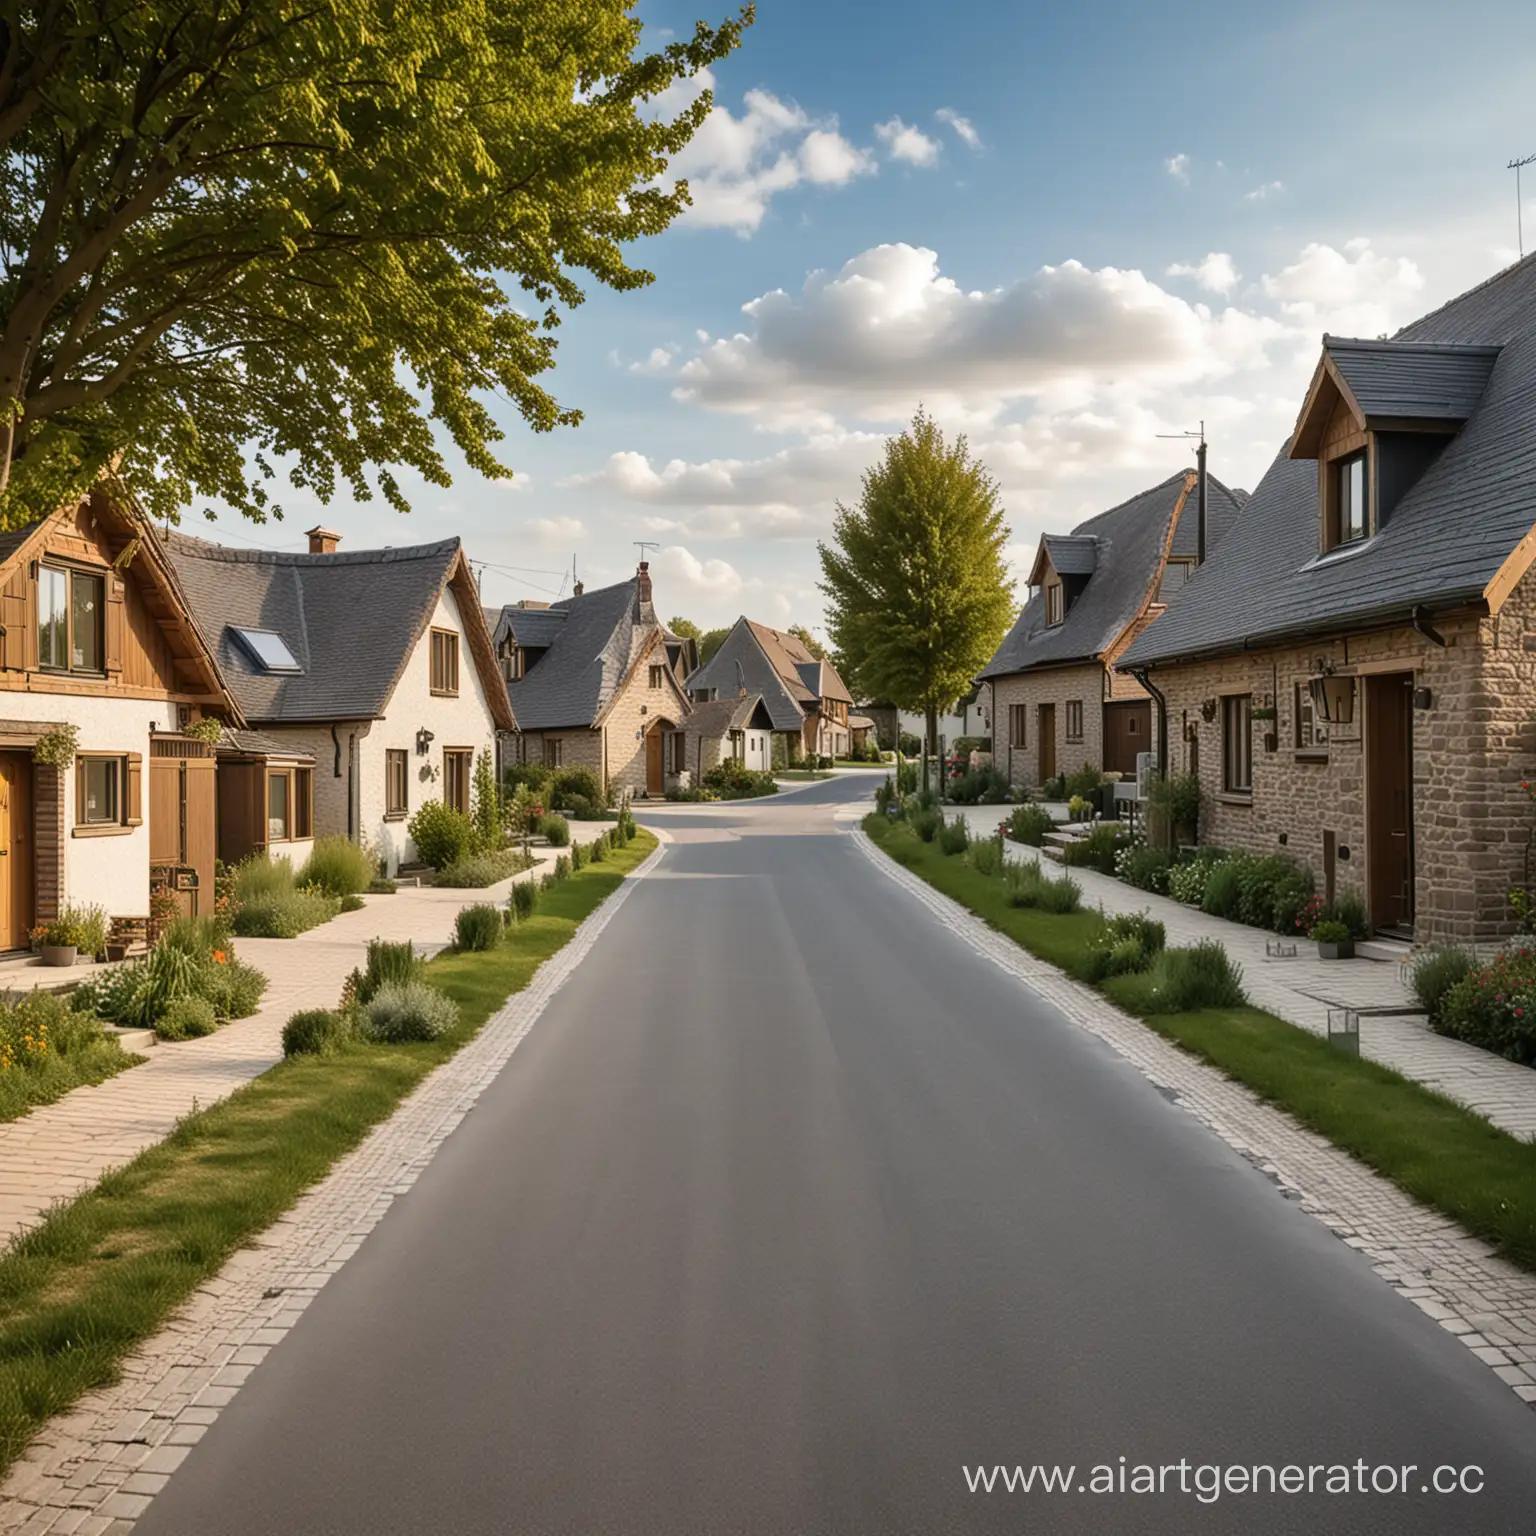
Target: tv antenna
point(644, 544)
point(1517, 166)
point(1199, 439)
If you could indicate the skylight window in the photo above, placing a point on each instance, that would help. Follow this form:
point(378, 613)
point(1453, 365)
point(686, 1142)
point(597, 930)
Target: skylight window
point(268, 650)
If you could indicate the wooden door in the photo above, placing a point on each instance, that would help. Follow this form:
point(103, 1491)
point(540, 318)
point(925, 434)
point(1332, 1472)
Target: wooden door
point(183, 819)
point(16, 872)
point(653, 769)
point(1127, 732)
point(1047, 735)
point(1389, 799)
point(200, 820)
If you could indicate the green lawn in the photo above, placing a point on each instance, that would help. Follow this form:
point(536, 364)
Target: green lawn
point(106, 1271)
point(1443, 1155)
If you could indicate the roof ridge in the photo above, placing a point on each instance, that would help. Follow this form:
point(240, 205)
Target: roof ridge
point(1497, 277)
point(1363, 342)
point(194, 548)
point(1120, 506)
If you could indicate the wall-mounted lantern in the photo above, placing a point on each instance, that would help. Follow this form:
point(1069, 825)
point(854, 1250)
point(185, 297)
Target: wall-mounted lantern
point(424, 740)
point(1423, 698)
point(1208, 709)
point(1333, 696)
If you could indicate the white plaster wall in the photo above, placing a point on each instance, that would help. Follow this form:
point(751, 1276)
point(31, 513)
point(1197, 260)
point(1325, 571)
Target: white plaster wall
point(758, 750)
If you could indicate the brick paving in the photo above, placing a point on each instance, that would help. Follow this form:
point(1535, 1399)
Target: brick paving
point(1392, 1029)
point(60, 1149)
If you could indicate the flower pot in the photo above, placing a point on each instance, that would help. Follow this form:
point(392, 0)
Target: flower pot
point(116, 952)
point(58, 954)
point(1343, 949)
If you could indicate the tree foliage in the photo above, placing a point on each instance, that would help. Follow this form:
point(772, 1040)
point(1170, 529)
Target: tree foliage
point(916, 583)
point(321, 232)
point(685, 628)
point(710, 642)
point(810, 642)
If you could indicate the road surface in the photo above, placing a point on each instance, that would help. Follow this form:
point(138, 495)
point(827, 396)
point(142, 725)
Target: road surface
point(789, 1210)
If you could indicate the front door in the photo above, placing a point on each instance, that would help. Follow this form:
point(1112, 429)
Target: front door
point(1127, 733)
point(1389, 799)
point(183, 819)
point(1047, 742)
point(15, 850)
point(653, 770)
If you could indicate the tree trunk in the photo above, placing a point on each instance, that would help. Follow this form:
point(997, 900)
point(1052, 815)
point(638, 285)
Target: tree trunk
point(932, 749)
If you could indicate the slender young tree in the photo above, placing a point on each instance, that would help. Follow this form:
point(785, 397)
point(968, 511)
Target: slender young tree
point(234, 234)
point(918, 593)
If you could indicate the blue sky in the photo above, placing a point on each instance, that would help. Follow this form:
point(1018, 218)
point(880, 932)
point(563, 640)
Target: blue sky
point(1065, 229)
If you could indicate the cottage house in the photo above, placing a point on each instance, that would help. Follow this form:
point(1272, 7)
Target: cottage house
point(368, 681)
point(736, 729)
point(96, 637)
point(1353, 674)
point(1058, 701)
point(594, 681)
point(970, 717)
point(804, 697)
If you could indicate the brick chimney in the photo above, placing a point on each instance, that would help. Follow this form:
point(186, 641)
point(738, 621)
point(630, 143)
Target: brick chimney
point(323, 541)
point(643, 581)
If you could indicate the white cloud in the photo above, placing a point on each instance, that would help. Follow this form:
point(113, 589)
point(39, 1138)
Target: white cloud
point(658, 360)
point(1216, 272)
point(1177, 166)
point(962, 126)
point(1353, 292)
point(904, 142)
point(682, 575)
point(556, 530)
point(1264, 191)
point(828, 159)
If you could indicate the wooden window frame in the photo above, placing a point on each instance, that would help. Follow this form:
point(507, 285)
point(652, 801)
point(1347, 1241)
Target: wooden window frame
point(554, 751)
point(128, 816)
point(657, 675)
point(290, 822)
point(467, 756)
point(1055, 604)
point(72, 574)
point(1333, 473)
point(1018, 725)
point(1072, 720)
point(303, 805)
point(397, 758)
point(679, 745)
point(444, 663)
point(1237, 745)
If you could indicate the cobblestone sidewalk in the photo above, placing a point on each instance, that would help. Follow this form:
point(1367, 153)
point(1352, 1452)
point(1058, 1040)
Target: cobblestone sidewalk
point(60, 1149)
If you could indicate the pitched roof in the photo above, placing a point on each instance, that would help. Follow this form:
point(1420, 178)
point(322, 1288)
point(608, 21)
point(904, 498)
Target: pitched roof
point(1072, 554)
point(1411, 380)
point(593, 640)
point(719, 716)
point(798, 667)
point(350, 620)
point(1128, 542)
point(742, 666)
point(1444, 542)
point(256, 744)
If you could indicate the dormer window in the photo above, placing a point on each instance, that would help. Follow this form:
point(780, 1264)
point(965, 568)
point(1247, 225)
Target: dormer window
point(1054, 608)
point(1352, 517)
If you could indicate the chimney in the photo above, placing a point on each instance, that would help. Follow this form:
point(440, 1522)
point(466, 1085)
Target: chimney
point(643, 580)
point(578, 588)
point(323, 541)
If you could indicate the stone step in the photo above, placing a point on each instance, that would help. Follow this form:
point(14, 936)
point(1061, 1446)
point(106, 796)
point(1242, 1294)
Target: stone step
point(134, 1040)
point(1392, 951)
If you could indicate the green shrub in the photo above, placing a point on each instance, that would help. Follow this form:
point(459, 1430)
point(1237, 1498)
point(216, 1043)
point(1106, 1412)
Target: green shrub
point(352, 903)
point(577, 784)
point(1147, 931)
point(398, 1013)
point(1223, 895)
point(981, 786)
point(389, 963)
point(479, 870)
point(906, 778)
point(199, 937)
point(598, 851)
point(1144, 867)
point(1186, 881)
point(442, 835)
point(477, 927)
point(927, 823)
point(78, 926)
point(382, 886)
point(1083, 782)
point(138, 994)
point(1435, 972)
point(186, 1018)
point(1110, 954)
point(1202, 975)
point(315, 1032)
point(234, 988)
point(1291, 896)
point(286, 915)
point(1349, 909)
point(987, 856)
point(1054, 788)
point(557, 830)
point(578, 857)
point(532, 776)
point(1098, 848)
point(1061, 895)
point(1022, 882)
point(579, 808)
point(524, 898)
point(1079, 809)
point(954, 836)
point(1029, 824)
point(1329, 930)
point(1494, 1006)
point(338, 867)
point(486, 812)
point(926, 799)
point(259, 877)
point(562, 869)
point(733, 780)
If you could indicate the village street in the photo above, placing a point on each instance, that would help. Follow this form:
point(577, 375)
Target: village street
point(793, 1205)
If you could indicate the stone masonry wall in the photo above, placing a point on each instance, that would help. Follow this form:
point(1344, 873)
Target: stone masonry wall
point(635, 710)
point(1056, 686)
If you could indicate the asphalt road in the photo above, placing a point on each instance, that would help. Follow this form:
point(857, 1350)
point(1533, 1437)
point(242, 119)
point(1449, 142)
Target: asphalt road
point(790, 1209)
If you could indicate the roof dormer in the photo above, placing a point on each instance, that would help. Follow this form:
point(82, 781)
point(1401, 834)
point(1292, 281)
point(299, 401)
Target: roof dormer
point(1063, 565)
point(1376, 417)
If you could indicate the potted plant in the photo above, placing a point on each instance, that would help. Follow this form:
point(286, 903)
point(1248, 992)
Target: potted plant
point(75, 931)
point(1334, 940)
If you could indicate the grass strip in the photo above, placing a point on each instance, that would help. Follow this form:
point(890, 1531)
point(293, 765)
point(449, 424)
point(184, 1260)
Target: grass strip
point(105, 1272)
point(25, 1088)
point(1429, 1146)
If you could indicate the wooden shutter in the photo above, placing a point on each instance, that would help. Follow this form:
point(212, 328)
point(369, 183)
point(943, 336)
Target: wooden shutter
point(133, 790)
point(114, 623)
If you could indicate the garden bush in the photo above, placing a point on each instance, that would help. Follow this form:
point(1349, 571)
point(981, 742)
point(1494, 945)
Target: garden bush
point(733, 780)
point(1054, 788)
point(981, 786)
point(1029, 824)
point(578, 858)
point(1186, 881)
point(443, 836)
point(987, 856)
point(186, 1018)
point(381, 885)
point(286, 915)
point(1223, 896)
point(562, 869)
point(477, 927)
point(1083, 782)
point(138, 994)
point(579, 808)
point(1079, 809)
point(954, 836)
point(557, 830)
point(259, 877)
point(479, 870)
point(44, 1035)
point(1114, 951)
point(575, 784)
point(1144, 867)
point(77, 926)
point(1097, 849)
point(1060, 895)
point(1026, 884)
point(1494, 1006)
point(522, 901)
point(389, 963)
point(906, 778)
point(337, 866)
point(234, 988)
point(599, 850)
point(402, 1012)
point(1201, 975)
point(315, 1032)
point(1259, 882)
point(532, 776)
point(1435, 972)
point(1349, 909)
point(927, 822)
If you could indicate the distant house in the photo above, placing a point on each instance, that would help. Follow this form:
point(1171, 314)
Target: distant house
point(805, 698)
point(968, 717)
point(595, 681)
point(1352, 675)
point(375, 666)
point(96, 637)
point(738, 728)
point(1059, 702)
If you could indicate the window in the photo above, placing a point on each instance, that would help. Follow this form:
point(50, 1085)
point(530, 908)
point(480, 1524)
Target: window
point(1017, 715)
point(279, 807)
point(268, 650)
point(679, 744)
point(290, 804)
point(69, 620)
point(1074, 719)
point(1350, 498)
point(554, 751)
point(397, 782)
point(1237, 744)
point(656, 676)
point(1311, 733)
point(303, 802)
point(511, 661)
point(1053, 603)
point(445, 661)
point(456, 768)
point(1175, 574)
point(99, 792)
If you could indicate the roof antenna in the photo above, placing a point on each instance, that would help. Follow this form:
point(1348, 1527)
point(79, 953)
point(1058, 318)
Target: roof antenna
point(1515, 166)
point(1200, 464)
point(644, 544)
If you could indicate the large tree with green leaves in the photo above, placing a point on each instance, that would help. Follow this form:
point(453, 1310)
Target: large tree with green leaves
point(238, 231)
point(918, 593)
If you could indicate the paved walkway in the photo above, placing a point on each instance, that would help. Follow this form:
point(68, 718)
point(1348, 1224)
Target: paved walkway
point(1303, 989)
point(60, 1149)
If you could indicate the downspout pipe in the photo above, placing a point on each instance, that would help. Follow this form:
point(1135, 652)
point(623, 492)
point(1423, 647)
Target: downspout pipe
point(1144, 677)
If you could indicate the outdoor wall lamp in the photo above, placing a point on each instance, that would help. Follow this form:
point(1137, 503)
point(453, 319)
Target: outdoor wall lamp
point(1333, 696)
point(1423, 698)
point(424, 740)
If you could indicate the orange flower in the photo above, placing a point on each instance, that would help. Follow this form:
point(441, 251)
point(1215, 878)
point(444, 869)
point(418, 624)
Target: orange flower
point(219, 957)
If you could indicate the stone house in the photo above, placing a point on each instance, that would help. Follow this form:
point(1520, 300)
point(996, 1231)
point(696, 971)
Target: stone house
point(596, 681)
point(739, 728)
point(805, 698)
point(1058, 702)
point(374, 665)
point(1352, 676)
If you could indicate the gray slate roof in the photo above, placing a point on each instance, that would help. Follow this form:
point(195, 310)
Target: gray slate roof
point(1432, 382)
point(255, 744)
point(1072, 554)
point(593, 641)
point(721, 716)
point(350, 619)
point(1128, 543)
point(741, 663)
point(1444, 541)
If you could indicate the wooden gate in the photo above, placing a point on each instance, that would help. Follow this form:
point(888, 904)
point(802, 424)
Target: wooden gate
point(16, 874)
point(1389, 799)
point(1127, 732)
point(183, 819)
